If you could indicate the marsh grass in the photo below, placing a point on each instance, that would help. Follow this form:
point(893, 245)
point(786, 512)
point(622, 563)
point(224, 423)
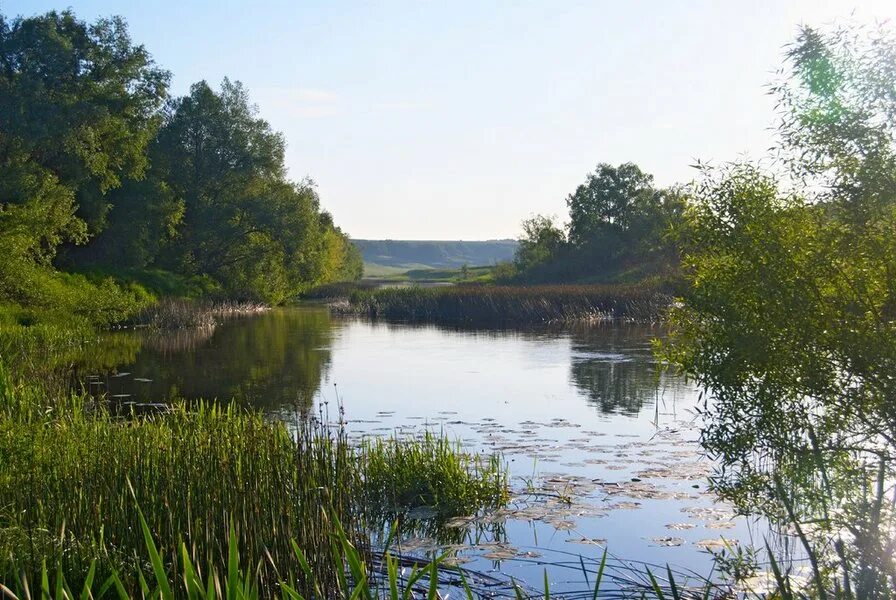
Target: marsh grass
point(511, 305)
point(206, 477)
point(178, 313)
point(68, 484)
point(401, 475)
point(363, 576)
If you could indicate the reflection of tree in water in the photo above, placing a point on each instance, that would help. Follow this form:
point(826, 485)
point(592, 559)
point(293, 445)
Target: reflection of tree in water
point(613, 366)
point(273, 361)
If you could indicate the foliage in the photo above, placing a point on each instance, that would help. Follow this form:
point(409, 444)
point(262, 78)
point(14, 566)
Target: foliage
point(790, 321)
point(618, 221)
point(608, 204)
point(541, 242)
point(78, 107)
point(97, 170)
point(78, 104)
point(217, 204)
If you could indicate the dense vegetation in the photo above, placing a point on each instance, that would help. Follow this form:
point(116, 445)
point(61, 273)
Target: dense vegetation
point(205, 479)
point(102, 172)
point(510, 305)
point(618, 231)
point(112, 194)
point(790, 318)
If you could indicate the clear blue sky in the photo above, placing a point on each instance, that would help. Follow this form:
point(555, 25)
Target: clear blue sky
point(456, 120)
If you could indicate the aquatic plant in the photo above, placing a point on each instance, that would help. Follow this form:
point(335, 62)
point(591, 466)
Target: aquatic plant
point(511, 305)
point(71, 473)
point(383, 575)
point(429, 472)
point(178, 313)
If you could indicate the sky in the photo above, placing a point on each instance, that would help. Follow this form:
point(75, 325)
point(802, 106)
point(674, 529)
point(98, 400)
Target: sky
point(457, 120)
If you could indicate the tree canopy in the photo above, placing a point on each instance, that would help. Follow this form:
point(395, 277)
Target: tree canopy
point(96, 161)
point(618, 221)
point(789, 321)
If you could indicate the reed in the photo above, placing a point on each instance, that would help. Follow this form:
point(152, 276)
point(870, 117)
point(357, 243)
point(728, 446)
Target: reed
point(383, 576)
point(71, 474)
point(512, 305)
point(177, 313)
point(401, 475)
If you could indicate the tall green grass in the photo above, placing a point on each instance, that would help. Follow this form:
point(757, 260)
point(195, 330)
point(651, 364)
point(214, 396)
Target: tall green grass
point(401, 474)
point(71, 474)
point(512, 305)
point(384, 576)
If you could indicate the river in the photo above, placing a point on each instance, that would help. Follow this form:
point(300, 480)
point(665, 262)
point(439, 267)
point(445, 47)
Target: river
point(601, 447)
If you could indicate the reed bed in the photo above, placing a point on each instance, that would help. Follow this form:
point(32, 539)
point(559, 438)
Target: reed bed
point(176, 313)
point(511, 305)
point(206, 478)
point(69, 488)
point(388, 576)
point(430, 473)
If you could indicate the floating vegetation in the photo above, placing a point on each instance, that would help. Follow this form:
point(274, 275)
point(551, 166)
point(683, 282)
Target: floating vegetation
point(666, 541)
point(681, 526)
point(569, 500)
point(588, 541)
point(716, 543)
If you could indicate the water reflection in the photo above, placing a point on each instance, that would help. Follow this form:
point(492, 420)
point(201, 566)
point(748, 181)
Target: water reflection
point(270, 361)
point(560, 404)
point(276, 361)
point(613, 367)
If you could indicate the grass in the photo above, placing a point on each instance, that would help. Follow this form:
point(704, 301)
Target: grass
point(207, 479)
point(433, 275)
point(362, 576)
point(179, 313)
point(516, 305)
point(401, 474)
point(158, 282)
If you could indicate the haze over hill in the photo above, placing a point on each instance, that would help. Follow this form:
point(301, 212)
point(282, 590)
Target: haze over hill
point(395, 256)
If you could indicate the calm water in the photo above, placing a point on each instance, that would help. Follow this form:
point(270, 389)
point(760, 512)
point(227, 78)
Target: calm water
point(577, 412)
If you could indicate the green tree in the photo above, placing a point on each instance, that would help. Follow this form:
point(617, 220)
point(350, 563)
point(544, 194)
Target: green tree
point(79, 102)
point(244, 223)
point(604, 208)
point(790, 321)
point(78, 106)
point(541, 243)
point(618, 222)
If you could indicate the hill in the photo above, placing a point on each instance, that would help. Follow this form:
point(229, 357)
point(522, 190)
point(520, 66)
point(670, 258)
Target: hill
point(387, 257)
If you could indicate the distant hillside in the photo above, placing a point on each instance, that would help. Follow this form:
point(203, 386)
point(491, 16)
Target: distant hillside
point(395, 256)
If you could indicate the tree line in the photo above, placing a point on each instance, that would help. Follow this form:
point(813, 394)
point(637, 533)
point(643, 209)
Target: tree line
point(102, 170)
